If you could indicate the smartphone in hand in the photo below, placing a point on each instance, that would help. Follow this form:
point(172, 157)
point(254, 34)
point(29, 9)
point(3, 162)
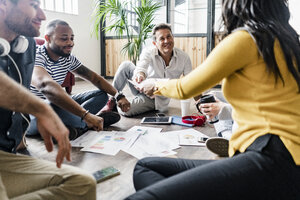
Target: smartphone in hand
point(106, 173)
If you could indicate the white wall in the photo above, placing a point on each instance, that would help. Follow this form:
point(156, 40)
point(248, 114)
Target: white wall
point(87, 47)
point(294, 6)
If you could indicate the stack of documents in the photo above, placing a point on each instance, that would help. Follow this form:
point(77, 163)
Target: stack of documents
point(150, 144)
point(139, 141)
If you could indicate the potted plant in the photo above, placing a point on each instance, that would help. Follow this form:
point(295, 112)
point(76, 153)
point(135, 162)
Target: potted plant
point(116, 12)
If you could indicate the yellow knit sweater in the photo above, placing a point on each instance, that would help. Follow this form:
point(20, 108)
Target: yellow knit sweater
point(259, 105)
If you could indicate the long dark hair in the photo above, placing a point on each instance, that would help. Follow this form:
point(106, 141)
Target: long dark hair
point(266, 20)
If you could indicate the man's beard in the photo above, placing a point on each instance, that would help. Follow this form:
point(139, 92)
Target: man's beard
point(25, 29)
point(59, 52)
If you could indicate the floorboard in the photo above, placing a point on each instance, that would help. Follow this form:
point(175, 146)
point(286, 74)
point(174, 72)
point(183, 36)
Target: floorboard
point(120, 186)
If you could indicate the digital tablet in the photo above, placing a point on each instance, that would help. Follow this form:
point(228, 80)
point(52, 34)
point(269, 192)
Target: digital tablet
point(156, 120)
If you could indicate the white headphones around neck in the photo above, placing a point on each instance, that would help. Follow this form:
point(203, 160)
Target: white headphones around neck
point(20, 45)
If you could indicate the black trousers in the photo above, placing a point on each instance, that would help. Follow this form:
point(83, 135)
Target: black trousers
point(265, 171)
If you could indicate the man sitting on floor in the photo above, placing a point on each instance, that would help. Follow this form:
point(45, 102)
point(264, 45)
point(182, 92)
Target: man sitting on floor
point(81, 111)
point(24, 177)
point(163, 60)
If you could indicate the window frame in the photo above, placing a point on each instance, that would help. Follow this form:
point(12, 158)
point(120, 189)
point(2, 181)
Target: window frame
point(74, 9)
point(209, 34)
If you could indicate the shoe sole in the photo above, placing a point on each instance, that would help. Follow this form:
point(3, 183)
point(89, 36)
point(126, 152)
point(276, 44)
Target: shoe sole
point(218, 146)
point(109, 118)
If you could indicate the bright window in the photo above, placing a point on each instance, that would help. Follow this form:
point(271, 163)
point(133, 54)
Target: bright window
point(64, 6)
point(218, 16)
point(131, 16)
point(188, 16)
point(294, 6)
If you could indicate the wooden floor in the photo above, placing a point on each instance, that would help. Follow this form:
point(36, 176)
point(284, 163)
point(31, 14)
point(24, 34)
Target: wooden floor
point(121, 186)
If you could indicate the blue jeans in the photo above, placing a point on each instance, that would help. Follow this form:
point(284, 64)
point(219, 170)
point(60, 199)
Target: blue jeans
point(93, 101)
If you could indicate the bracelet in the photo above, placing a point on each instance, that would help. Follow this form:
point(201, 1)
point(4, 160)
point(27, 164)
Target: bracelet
point(119, 95)
point(85, 114)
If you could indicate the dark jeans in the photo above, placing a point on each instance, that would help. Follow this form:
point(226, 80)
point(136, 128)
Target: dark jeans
point(93, 101)
point(265, 171)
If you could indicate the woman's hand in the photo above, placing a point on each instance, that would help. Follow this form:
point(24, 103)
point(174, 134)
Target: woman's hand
point(211, 110)
point(148, 89)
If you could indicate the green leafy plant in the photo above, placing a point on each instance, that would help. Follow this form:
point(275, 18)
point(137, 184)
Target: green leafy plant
point(115, 11)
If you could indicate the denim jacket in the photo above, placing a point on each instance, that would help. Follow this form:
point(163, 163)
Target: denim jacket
point(12, 125)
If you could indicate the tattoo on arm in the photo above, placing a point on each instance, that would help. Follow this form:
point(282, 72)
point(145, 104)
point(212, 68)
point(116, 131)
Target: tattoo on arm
point(84, 72)
point(95, 79)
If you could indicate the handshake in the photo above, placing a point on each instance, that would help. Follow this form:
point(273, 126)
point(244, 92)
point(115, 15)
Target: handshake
point(146, 86)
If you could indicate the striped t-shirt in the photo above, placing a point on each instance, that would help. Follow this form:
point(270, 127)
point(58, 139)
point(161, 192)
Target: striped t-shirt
point(56, 69)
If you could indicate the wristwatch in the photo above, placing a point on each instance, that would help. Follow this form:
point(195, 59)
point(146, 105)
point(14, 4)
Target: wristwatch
point(119, 95)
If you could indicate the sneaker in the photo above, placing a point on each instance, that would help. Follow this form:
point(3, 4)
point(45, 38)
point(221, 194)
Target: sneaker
point(109, 118)
point(73, 133)
point(218, 146)
point(110, 106)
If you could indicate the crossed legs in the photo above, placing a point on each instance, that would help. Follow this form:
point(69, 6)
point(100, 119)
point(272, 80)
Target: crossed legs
point(93, 101)
point(140, 103)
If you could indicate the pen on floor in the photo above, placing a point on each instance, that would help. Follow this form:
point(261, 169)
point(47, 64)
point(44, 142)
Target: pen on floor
point(143, 133)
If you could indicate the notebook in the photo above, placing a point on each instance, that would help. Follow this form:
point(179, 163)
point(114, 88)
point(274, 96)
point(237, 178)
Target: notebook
point(178, 120)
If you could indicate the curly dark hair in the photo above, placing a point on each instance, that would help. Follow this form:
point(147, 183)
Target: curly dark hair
point(267, 21)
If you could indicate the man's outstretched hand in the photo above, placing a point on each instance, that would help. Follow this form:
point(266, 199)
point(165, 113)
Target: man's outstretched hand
point(50, 125)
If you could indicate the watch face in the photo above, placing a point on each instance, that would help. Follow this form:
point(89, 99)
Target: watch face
point(116, 95)
point(119, 96)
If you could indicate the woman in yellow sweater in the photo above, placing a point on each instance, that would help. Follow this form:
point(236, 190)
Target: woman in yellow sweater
point(259, 60)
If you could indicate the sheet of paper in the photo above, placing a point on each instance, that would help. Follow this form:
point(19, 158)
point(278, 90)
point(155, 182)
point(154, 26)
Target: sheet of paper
point(139, 141)
point(153, 143)
point(136, 151)
point(111, 143)
point(172, 136)
point(150, 144)
point(190, 137)
point(135, 135)
point(144, 128)
point(87, 138)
